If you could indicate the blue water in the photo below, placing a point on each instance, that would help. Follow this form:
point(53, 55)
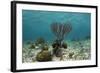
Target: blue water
point(38, 24)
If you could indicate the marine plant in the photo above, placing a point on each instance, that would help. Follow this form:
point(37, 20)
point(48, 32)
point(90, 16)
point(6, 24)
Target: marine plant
point(60, 30)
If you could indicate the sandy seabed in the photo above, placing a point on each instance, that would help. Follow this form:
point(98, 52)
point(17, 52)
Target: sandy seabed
point(76, 50)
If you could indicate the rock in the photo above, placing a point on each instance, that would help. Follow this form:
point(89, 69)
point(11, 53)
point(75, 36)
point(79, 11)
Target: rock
point(57, 52)
point(40, 40)
point(45, 48)
point(56, 45)
point(32, 46)
point(43, 56)
point(71, 55)
point(29, 42)
point(64, 45)
point(56, 49)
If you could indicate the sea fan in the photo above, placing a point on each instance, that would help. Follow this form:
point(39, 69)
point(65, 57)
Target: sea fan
point(60, 30)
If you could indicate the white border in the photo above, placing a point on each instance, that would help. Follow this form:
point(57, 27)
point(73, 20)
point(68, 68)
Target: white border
point(37, 65)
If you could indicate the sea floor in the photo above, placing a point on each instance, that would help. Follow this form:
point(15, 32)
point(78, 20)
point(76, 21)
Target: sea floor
point(76, 50)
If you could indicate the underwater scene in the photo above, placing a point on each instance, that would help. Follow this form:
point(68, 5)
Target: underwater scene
point(55, 36)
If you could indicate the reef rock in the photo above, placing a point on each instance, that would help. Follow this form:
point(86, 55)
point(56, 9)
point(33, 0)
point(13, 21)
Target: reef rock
point(64, 45)
point(43, 56)
point(32, 46)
